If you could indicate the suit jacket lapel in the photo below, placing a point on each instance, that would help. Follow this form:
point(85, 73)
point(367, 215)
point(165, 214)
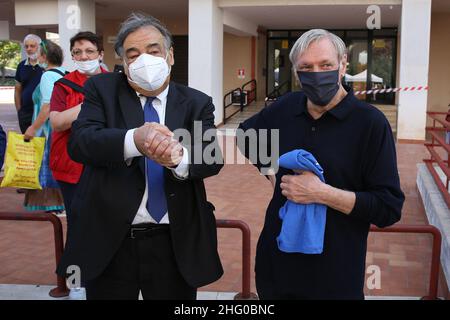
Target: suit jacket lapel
point(130, 105)
point(132, 112)
point(175, 108)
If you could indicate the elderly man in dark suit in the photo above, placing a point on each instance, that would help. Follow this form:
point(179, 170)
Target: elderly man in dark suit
point(142, 220)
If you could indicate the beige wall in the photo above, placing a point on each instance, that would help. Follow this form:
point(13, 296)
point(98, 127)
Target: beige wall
point(43, 12)
point(109, 28)
point(439, 72)
point(237, 54)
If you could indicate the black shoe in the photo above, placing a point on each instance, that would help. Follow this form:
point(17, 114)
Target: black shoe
point(21, 190)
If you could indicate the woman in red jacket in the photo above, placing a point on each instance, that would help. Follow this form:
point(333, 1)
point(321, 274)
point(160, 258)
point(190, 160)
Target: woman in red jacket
point(65, 104)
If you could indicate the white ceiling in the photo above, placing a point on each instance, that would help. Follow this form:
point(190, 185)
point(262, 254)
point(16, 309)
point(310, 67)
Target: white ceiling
point(271, 17)
point(119, 9)
point(323, 16)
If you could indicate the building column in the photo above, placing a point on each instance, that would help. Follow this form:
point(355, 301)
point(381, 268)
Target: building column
point(414, 58)
point(206, 51)
point(4, 30)
point(74, 16)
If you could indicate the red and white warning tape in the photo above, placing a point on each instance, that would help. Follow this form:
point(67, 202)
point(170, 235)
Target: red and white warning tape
point(418, 88)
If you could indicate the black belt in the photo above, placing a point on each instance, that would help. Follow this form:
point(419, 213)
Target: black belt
point(145, 230)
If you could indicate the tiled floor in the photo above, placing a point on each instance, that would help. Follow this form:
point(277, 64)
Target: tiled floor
point(238, 192)
point(237, 118)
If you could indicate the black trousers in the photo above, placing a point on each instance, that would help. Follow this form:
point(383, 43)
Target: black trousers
point(145, 264)
point(24, 120)
point(68, 191)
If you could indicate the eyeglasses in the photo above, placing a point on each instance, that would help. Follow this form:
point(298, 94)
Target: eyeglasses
point(89, 52)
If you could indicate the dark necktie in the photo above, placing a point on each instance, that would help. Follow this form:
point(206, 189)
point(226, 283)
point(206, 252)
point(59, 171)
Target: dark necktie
point(156, 202)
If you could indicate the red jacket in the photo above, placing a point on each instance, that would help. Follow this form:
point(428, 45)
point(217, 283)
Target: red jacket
point(62, 166)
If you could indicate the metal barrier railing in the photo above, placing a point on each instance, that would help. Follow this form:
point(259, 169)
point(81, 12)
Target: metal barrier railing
point(437, 140)
point(251, 94)
point(246, 251)
point(277, 92)
point(61, 290)
point(436, 251)
point(226, 104)
point(245, 98)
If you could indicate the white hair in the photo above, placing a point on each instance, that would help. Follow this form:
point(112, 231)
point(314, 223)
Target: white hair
point(32, 37)
point(312, 35)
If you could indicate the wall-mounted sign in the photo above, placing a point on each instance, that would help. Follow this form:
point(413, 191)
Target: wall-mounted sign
point(241, 74)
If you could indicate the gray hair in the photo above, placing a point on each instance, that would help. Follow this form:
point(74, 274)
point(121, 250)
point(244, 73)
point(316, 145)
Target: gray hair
point(136, 21)
point(32, 37)
point(312, 35)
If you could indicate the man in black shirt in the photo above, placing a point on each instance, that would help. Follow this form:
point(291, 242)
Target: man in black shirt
point(28, 76)
point(353, 143)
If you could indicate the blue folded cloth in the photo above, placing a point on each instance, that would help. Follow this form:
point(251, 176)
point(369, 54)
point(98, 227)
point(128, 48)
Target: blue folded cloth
point(303, 225)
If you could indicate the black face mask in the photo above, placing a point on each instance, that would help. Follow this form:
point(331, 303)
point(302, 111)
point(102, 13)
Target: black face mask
point(319, 87)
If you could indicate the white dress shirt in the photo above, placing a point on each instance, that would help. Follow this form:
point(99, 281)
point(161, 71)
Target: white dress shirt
point(130, 151)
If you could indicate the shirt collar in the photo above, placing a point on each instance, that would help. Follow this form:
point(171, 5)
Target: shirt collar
point(27, 63)
point(345, 106)
point(161, 97)
point(340, 111)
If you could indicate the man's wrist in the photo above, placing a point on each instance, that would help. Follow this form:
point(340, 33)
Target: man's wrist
point(324, 193)
point(178, 161)
point(131, 149)
point(136, 140)
point(181, 170)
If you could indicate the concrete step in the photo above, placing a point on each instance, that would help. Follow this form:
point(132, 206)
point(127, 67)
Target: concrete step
point(40, 292)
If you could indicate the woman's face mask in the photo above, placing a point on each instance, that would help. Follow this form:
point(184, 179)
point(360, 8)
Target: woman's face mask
point(149, 72)
point(88, 67)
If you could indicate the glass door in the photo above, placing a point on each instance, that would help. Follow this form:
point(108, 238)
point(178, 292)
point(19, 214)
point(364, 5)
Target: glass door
point(278, 67)
point(357, 58)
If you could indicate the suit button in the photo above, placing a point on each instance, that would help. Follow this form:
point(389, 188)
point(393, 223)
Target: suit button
point(172, 195)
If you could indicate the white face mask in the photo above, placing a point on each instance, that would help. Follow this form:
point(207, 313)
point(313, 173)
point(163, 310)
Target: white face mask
point(149, 72)
point(87, 67)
